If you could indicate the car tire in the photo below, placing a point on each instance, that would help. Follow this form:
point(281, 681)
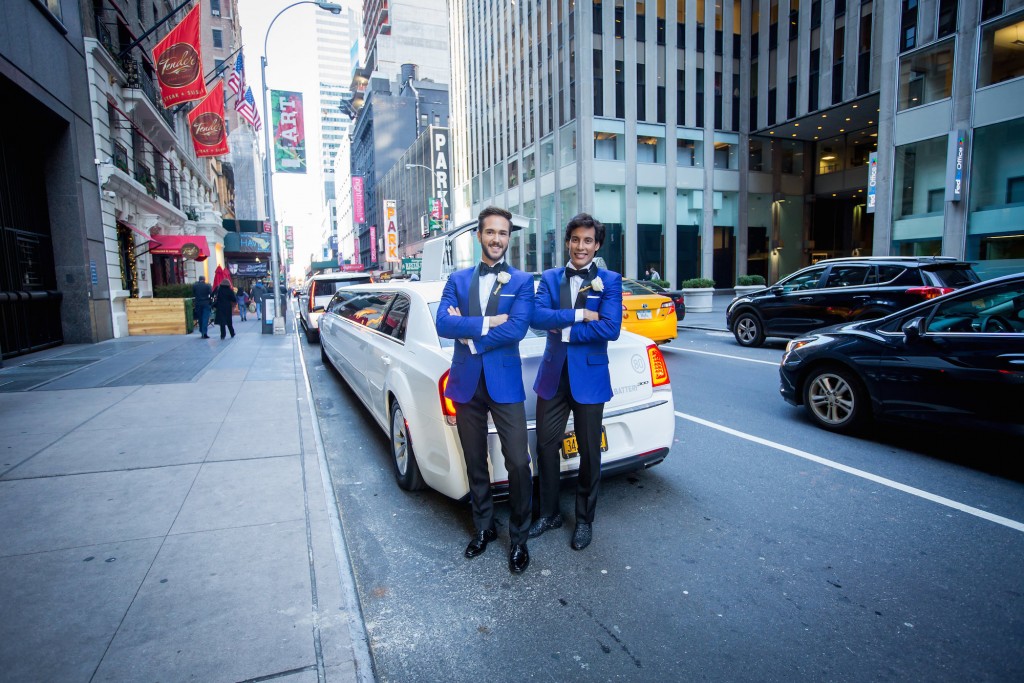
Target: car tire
point(312, 336)
point(748, 329)
point(407, 472)
point(324, 357)
point(836, 399)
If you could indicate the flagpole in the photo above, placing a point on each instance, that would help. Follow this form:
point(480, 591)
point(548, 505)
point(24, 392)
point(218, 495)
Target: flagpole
point(268, 171)
point(154, 27)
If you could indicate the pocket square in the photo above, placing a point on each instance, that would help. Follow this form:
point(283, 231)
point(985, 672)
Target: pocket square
point(506, 295)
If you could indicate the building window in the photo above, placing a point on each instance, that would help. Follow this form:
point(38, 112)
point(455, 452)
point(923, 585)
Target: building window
point(650, 149)
point(567, 145)
point(908, 26)
point(513, 173)
point(1002, 56)
point(218, 38)
point(947, 17)
point(547, 155)
point(529, 167)
point(830, 156)
point(726, 156)
point(689, 153)
point(760, 155)
point(995, 229)
point(991, 8)
point(499, 178)
point(609, 146)
point(920, 169)
point(926, 76)
point(215, 7)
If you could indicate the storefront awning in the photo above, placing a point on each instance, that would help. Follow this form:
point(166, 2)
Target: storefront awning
point(189, 246)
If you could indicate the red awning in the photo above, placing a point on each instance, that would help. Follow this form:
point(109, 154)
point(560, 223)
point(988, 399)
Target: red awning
point(180, 245)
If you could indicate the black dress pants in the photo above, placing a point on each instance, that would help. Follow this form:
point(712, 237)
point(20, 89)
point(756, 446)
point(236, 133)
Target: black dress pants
point(510, 421)
point(229, 326)
point(552, 417)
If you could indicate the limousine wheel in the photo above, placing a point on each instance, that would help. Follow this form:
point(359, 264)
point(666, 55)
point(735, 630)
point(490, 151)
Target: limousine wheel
point(323, 356)
point(407, 472)
point(748, 330)
point(835, 399)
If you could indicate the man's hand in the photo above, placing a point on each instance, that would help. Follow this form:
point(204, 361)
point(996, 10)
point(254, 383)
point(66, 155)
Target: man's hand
point(590, 316)
point(496, 320)
point(454, 310)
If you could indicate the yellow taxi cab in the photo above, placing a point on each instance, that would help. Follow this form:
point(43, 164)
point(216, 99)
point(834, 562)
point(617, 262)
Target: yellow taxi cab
point(646, 313)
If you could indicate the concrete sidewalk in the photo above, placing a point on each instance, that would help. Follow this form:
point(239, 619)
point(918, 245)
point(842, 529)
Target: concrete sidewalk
point(166, 515)
point(713, 321)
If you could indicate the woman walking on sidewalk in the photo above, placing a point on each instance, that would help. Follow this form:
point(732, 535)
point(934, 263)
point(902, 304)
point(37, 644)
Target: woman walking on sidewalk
point(243, 302)
point(223, 305)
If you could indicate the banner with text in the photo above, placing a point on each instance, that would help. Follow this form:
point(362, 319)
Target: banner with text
point(390, 232)
point(358, 205)
point(206, 124)
point(289, 131)
point(373, 244)
point(179, 67)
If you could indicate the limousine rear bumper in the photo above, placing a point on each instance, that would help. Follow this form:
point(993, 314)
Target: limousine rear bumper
point(499, 489)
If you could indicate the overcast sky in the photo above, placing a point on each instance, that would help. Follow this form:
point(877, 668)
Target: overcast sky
point(291, 65)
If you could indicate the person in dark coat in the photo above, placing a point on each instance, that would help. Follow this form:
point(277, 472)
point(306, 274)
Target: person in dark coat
point(201, 294)
point(223, 305)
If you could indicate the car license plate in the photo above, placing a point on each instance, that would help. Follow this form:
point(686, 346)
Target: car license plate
point(643, 315)
point(570, 448)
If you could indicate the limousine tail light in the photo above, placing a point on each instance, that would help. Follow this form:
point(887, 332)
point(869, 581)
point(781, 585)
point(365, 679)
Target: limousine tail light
point(659, 371)
point(312, 294)
point(447, 407)
point(929, 292)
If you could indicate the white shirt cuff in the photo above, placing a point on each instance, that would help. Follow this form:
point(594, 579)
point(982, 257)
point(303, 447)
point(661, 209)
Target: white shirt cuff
point(472, 346)
point(486, 326)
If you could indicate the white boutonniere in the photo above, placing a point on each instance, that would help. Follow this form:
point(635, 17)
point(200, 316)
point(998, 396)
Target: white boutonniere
point(596, 284)
point(503, 278)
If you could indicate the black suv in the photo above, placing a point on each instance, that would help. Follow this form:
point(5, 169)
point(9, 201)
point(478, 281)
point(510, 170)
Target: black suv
point(842, 290)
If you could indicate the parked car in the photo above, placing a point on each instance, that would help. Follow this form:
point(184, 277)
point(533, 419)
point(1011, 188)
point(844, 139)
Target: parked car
point(382, 341)
point(647, 313)
point(957, 360)
point(677, 297)
point(843, 290)
point(317, 292)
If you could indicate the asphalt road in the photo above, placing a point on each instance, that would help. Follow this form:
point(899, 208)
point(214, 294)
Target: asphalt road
point(762, 549)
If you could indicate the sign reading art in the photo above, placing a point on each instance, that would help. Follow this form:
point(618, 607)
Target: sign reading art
point(289, 131)
point(206, 124)
point(358, 205)
point(390, 233)
point(179, 68)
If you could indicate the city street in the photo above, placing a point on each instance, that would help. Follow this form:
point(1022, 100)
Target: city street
point(763, 548)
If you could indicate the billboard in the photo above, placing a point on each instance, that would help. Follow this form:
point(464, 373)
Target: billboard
point(872, 181)
point(289, 131)
point(440, 156)
point(390, 232)
point(358, 205)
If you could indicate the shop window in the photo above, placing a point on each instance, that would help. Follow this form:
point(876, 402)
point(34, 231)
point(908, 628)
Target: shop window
point(926, 76)
point(1002, 51)
point(919, 182)
point(760, 155)
point(995, 231)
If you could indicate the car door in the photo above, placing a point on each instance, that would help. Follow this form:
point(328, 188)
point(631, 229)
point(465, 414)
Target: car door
point(385, 348)
point(967, 367)
point(845, 292)
point(793, 307)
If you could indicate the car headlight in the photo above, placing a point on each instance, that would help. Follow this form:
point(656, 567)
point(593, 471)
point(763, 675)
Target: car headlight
point(795, 344)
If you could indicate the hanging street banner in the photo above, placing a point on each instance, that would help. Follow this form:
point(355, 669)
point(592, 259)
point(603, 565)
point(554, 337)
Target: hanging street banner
point(206, 124)
point(390, 232)
point(179, 67)
point(358, 205)
point(356, 255)
point(872, 181)
point(373, 244)
point(289, 131)
point(260, 269)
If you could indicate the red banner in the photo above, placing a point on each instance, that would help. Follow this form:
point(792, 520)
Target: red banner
point(206, 124)
point(179, 67)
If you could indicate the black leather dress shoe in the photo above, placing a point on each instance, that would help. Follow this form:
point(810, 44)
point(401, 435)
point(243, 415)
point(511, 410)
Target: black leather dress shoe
point(582, 536)
point(480, 541)
point(543, 524)
point(518, 558)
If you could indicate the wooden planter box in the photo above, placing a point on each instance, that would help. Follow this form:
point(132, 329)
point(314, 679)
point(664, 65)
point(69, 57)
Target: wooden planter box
point(159, 316)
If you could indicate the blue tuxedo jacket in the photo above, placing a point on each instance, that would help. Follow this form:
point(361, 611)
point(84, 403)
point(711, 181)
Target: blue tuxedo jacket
point(497, 355)
point(587, 350)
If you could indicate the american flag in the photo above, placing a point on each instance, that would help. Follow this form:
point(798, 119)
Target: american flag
point(237, 79)
point(246, 106)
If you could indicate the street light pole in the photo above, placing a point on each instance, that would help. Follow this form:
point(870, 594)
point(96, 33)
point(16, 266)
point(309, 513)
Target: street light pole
point(268, 170)
point(433, 187)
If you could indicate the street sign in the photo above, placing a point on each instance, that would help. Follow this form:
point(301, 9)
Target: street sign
point(412, 265)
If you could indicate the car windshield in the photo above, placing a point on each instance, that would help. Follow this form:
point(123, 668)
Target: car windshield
point(956, 277)
point(638, 288)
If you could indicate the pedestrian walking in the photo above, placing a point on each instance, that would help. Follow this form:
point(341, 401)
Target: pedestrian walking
point(580, 306)
point(243, 302)
point(223, 305)
point(486, 377)
point(201, 297)
point(258, 294)
point(655, 275)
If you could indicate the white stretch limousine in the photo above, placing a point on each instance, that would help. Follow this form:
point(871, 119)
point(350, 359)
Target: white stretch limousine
point(381, 339)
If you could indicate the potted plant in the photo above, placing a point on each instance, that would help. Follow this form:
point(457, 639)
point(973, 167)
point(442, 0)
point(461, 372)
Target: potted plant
point(698, 292)
point(745, 284)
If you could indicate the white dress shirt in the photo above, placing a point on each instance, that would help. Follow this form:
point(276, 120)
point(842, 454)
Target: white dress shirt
point(487, 283)
point(575, 284)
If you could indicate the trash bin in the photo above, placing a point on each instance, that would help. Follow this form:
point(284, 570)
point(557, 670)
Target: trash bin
point(269, 311)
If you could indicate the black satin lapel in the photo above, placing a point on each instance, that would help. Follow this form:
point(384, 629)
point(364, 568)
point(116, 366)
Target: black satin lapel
point(492, 300)
point(564, 292)
point(474, 294)
point(581, 297)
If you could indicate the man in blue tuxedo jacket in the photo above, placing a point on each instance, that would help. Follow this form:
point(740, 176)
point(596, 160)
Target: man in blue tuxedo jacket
point(581, 308)
point(487, 309)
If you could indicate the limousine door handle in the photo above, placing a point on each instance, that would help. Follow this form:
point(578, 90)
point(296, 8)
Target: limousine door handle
point(806, 298)
point(1012, 358)
point(386, 360)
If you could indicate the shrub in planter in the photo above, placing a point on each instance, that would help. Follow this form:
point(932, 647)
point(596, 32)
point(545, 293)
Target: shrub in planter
point(661, 283)
point(697, 283)
point(750, 280)
point(172, 291)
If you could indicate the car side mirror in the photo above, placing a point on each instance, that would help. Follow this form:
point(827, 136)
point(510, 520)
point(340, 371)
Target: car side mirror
point(318, 309)
point(777, 290)
point(913, 329)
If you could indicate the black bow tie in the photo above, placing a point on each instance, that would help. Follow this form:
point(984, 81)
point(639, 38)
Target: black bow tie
point(491, 270)
point(572, 272)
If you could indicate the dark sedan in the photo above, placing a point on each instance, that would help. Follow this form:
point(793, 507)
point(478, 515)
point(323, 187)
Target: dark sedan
point(957, 360)
point(676, 296)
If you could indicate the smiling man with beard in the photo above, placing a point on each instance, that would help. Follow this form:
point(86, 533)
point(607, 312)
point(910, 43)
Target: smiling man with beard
point(487, 309)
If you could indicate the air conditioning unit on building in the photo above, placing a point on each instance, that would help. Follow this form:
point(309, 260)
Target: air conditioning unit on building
point(215, 12)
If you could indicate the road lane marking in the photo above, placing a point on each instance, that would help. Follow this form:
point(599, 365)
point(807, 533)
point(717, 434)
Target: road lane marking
point(721, 355)
point(1004, 521)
